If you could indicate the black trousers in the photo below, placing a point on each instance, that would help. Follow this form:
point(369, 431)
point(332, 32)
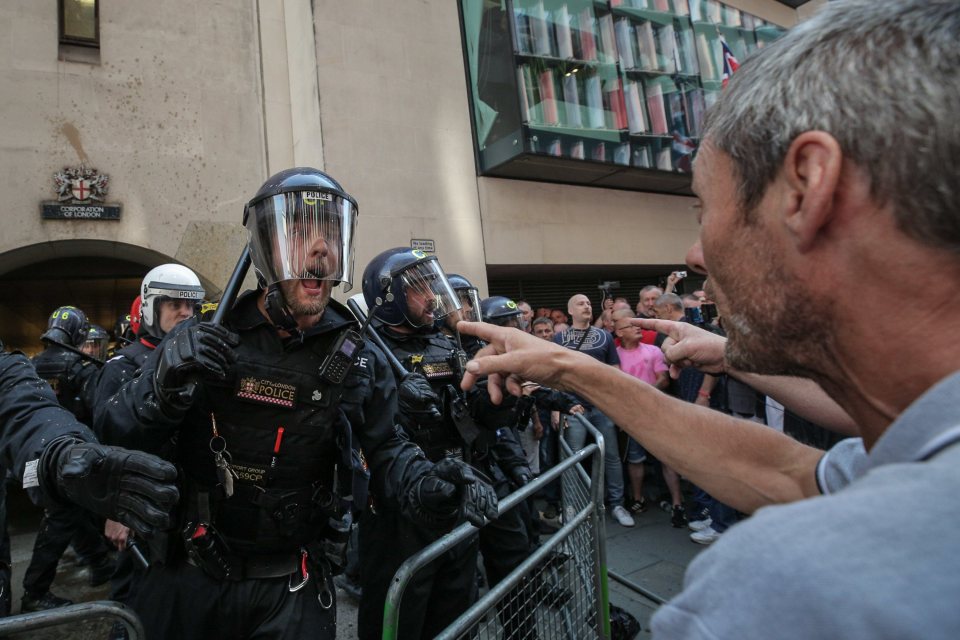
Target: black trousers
point(185, 603)
point(436, 596)
point(60, 525)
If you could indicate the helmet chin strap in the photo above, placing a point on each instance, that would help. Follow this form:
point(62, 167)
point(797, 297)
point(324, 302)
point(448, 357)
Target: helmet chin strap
point(278, 312)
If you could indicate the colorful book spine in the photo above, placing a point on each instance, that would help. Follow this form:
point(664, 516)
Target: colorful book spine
point(571, 101)
point(548, 96)
point(636, 119)
point(608, 41)
point(587, 30)
point(655, 107)
point(625, 39)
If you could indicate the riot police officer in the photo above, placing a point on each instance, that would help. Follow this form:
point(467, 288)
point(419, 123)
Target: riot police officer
point(63, 364)
point(169, 294)
point(408, 296)
point(279, 414)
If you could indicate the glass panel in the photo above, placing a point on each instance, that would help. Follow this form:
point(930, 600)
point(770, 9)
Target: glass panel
point(80, 20)
point(615, 81)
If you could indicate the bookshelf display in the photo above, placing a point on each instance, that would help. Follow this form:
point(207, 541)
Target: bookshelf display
point(610, 92)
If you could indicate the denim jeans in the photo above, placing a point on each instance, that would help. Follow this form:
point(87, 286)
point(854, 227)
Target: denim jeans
point(576, 436)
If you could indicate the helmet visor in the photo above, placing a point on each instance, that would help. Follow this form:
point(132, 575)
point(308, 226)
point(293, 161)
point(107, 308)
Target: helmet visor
point(427, 293)
point(303, 235)
point(469, 304)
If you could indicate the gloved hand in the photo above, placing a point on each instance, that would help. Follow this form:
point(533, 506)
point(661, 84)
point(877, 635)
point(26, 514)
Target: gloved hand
point(450, 490)
point(203, 350)
point(419, 405)
point(135, 488)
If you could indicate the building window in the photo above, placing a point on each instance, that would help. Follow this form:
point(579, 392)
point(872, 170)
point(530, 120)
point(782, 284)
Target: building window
point(79, 23)
point(608, 93)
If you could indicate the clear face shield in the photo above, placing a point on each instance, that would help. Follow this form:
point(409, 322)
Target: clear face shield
point(469, 304)
point(303, 235)
point(427, 293)
point(96, 348)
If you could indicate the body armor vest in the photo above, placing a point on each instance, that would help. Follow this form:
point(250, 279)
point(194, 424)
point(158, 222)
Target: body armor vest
point(433, 355)
point(284, 491)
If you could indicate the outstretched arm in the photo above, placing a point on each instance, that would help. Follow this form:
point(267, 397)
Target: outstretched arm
point(741, 463)
point(689, 346)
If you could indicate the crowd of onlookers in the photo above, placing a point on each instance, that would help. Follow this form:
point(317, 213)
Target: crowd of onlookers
point(634, 479)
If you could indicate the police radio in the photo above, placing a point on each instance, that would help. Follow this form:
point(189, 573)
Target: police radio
point(336, 365)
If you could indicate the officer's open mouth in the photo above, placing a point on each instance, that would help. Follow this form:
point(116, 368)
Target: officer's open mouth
point(311, 284)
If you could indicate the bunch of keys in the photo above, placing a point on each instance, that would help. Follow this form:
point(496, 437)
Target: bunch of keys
point(221, 458)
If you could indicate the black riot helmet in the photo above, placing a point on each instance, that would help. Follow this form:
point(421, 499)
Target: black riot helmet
point(468, 295)
point(407, 286)
point(301, 224)
point(67, 326)
point(501, 311)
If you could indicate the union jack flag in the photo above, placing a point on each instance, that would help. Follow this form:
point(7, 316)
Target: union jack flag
point(730, 63)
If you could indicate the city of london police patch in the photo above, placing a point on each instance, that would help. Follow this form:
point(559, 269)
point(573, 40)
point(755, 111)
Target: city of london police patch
point(267, 392)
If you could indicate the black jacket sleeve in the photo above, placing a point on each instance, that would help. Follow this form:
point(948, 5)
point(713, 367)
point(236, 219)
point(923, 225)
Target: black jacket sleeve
point(134, 417)
point(30, 417)
point(370, 403)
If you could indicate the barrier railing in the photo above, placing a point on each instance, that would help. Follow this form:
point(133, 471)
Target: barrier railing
point(560, 589)
point(72, 615)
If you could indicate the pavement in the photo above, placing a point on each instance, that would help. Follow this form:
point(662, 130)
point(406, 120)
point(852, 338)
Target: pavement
point(651, 554)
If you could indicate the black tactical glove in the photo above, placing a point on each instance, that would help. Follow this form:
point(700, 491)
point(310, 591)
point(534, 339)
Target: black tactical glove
point(451, 490)
point(132, 487)
point(203, 350)
point(419, 405)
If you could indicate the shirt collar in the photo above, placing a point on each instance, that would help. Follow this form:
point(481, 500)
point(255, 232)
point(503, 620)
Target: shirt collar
point(929, 424)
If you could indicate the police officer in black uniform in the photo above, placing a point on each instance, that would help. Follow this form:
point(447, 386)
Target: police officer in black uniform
point(72, 375)
point(279, 414)
point(513, 538)
point(408, 295)
point(60, 462)
point(63, 364)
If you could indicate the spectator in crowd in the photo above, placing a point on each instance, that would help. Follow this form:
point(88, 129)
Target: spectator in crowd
point(673, 280)
point(648, 299)
point(560, 327)
point(644, 362)
point(696, 387)
point(543, 312)
point(802, 203)
point(543, 328)
point(597, 344)
point(526, 315)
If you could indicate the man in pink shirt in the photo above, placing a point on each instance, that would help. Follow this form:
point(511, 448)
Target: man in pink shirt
point(645, 362)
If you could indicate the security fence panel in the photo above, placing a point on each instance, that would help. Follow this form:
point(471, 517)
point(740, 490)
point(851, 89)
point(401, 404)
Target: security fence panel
point(76, 622)
point(560, 591)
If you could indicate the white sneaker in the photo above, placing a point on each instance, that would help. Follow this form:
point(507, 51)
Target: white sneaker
point(699, 525)
point(705, 536)
point(622, 516)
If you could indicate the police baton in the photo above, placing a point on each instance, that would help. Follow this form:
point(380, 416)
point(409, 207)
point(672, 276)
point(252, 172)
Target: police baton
point(398, 367)
point(97, 362)
point(227, 299)
point(138, 555)
point(233, 287)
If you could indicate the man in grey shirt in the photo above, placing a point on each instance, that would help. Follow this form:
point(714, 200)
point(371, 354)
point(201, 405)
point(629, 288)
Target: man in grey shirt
point(826, 161)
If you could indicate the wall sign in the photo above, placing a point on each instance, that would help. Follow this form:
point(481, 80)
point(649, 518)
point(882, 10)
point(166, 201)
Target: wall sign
point(80, 196)
point(427, 246)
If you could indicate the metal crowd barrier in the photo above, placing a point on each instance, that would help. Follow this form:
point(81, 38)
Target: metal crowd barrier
point(72, 615)
point(561, 590)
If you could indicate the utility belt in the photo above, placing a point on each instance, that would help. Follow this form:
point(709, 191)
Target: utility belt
point(308, 510)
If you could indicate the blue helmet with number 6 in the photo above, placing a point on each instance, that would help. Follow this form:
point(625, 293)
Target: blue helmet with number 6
point(68, 326)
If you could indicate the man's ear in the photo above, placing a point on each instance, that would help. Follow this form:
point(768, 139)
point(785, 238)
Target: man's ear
point(811, 169)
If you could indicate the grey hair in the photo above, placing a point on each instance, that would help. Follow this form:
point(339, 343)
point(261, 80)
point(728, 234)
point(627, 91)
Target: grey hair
point(669, 300)
point(883, 78)
point(650, 287)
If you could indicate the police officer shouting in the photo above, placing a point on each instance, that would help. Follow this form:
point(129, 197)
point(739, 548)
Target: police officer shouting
point(278, 415)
